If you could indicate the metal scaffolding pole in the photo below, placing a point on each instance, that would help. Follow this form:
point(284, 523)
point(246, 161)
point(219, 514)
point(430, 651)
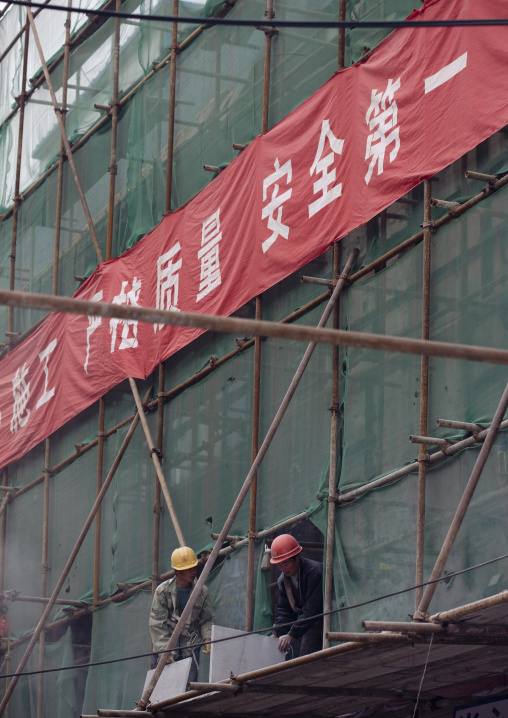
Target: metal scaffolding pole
point(249, 607)
point(334, 413)
point(235, 325)
point(113, 168)
point(424, 394)
point(17, 198)
point(157, 487)
point(61, 154)
point(68, 565)
point(421, 612)
point(58, 113)
point(44, 572)
point(172, 103)
point(156, 462)
point(246, 486)
point(100, 473)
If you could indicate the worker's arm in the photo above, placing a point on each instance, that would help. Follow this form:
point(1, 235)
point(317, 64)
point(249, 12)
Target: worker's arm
point(158, 622)
point(283, 611)
point(312, 588)
point(206, 616)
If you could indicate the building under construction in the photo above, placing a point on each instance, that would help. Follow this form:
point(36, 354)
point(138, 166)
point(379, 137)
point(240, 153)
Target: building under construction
point(378, 441)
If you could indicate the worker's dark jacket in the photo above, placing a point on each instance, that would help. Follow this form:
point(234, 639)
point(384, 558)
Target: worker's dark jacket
point(311, 600)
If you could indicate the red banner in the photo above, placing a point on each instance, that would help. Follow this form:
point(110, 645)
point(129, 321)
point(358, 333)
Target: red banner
point(370, 134)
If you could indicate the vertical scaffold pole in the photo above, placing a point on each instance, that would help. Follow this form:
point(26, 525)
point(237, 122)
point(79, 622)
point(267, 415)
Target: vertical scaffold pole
point(61, 154)
point(100, 473)
point(3, 530)
point(334, 410)
point(249, 608)
point(424, 394)
point(44, 571)
point(112, 169)
point(172, 100)
point(17, 199)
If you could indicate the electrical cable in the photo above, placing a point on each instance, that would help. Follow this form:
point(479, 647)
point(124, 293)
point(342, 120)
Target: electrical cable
point(448, 577)
point(238, 22)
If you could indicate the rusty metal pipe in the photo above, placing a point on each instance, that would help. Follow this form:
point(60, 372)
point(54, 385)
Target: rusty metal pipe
point(61, 154)
point(429, 440)
point(372, 638)
point(461, 425)
point(246, 485)
point(249, 609)
point(342, 36)
point(17, 198)
point(156, 462)
point(332, 474)
point(234, 325)
point(269, 14)
point(157, 486)
point(438, 456)
point(3, 529)
point(44, 571)
point(172, 107)
point(424, 392)
point(208, 687)
point(112, 169)
point(68, 565)
point(100, 473)
point(456, 614)
point(68, 149)
point(463, 506)
point(402, 627)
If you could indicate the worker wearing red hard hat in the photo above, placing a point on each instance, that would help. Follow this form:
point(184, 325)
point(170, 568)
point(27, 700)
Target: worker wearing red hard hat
point(300, 597)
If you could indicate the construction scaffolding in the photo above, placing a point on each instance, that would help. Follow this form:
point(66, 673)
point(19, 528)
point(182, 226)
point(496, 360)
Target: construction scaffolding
point(111, 122)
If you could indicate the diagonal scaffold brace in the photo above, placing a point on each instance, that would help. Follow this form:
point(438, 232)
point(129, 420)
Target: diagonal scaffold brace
point(341, 283)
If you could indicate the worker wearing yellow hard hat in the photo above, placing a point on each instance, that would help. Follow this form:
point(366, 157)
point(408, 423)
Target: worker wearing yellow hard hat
point(170, 599)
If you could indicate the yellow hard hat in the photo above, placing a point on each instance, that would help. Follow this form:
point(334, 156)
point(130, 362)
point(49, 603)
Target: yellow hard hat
point(182, 558)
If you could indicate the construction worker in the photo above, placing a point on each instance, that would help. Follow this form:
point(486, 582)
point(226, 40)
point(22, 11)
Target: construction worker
point(300, 596)
point(169, 601)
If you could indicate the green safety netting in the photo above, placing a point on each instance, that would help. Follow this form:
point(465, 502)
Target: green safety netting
point(207, 436)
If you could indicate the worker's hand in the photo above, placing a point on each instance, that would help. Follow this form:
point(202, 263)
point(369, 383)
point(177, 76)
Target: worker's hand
point(207, 649)
point(274, 635)
point(285, 642)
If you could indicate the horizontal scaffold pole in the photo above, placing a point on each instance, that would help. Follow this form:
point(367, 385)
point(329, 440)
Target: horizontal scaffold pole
point(235, 325)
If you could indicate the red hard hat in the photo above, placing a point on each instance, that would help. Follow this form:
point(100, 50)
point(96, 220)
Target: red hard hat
point(284, 547)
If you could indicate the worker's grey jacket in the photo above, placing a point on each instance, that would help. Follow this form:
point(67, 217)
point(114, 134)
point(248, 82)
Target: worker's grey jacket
point(311, 594)
point(165, 614)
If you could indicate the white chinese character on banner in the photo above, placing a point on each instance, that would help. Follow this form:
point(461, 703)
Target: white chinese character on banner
point(44, 357)
point(167, 282)
point(209, 255)
point(382, 118)
point(276, 202)
point(129, 335)
point(21, 394)
point(320, 166)
point(93, 324)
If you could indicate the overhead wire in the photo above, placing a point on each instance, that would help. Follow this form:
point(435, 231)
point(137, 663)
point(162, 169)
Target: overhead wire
point(194, 646)
point(240, 22)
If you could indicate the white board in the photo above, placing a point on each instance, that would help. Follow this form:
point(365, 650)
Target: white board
point(241, 655)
